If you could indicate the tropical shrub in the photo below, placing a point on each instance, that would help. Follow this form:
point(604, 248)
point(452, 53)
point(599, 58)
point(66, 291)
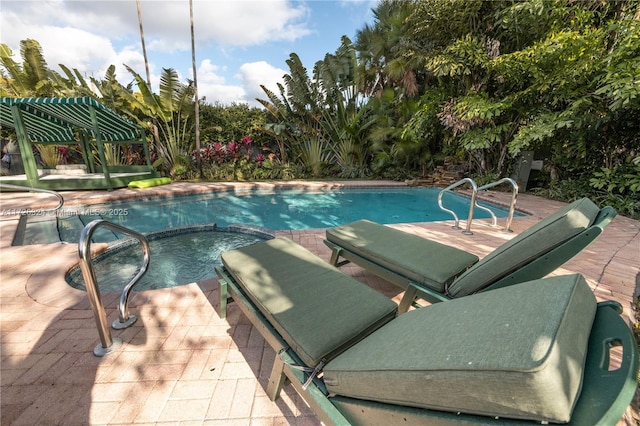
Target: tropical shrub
point(242, 160)
point(619, 186)
point(50, 155)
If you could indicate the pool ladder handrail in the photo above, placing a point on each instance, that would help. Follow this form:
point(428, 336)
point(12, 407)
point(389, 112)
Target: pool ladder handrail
point(32, 189)
point(474, 194)
point(109, 344)
point(512, 205)
point(22, 222)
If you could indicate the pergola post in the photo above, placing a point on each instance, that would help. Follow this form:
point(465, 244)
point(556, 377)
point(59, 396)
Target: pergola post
point(87, 156)
point(100, 146)
point(24, 143)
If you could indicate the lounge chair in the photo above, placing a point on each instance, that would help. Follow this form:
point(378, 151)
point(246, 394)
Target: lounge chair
point(437, 272)
point(528, 353)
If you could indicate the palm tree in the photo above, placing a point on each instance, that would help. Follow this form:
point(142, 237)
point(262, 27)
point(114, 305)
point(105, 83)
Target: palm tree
point(154, 128)
point(171, 111)
point(32, 78)
point(380, 49)
point(144, 49)
point(196, 105)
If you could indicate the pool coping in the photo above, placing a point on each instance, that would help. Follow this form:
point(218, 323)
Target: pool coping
point(56, 297)
point(59, 294)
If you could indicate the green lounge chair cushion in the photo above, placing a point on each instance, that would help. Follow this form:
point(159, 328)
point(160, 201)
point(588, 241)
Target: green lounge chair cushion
point(147, 183)
point(515, 352)
point(527, 246)
point(318, 310)
point(422, 261)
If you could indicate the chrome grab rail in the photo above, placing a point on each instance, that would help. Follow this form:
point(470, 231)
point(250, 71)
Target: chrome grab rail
point(46, 191)
point(474, 202)
point(125, 320)
point(512, 206)
point(22, 223)
point(474, 193)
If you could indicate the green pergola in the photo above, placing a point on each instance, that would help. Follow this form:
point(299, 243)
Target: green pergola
point(69, 121)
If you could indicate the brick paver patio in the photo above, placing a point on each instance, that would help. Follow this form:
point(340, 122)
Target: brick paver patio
point(180, 363)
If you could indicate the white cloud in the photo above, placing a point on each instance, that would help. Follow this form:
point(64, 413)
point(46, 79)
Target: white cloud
point(223, 94)
point(207, 73)
point(90, 35)
point(246, 23)
point(166, 24)
point(255, 74)
point(133, 58)
point(72, 47)
point(212, 85)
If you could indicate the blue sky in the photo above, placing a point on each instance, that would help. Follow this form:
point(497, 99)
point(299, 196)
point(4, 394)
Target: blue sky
point(240, 44)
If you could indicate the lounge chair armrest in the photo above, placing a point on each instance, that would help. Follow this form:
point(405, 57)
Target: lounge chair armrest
point(604, 217)
point(616, 306)
point(606, 393)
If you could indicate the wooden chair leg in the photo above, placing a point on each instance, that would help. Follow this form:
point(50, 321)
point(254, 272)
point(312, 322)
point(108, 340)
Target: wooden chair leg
point(335, 255)
point(407, 299)
point(277, 379)
point(222, 298)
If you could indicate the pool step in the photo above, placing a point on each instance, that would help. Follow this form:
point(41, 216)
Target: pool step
point(71, 227)
point(51, 229)
point(36, 230)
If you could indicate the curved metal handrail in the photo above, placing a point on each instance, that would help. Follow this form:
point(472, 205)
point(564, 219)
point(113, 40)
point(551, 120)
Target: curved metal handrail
point(108, 344)
point(474, 193)
point(46, 191)
point(512, 206)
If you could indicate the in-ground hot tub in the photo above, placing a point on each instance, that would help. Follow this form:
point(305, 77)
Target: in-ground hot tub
point(177, 256)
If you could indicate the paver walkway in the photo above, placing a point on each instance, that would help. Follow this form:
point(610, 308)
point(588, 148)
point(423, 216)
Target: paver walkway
point(180, 363)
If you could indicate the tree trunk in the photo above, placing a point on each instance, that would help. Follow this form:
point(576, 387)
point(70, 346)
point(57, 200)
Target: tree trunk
point(156, 136)
point(196, 108)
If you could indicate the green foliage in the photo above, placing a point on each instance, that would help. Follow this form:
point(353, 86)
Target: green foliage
point(617, 187)
point(49, 154)
point(246, 170)
point(620, 81)
point(231, 122)
point(471, 80)
point(321, 121)
point(623, 179)
point(241, 160)
point(171, 111)
point(33, 78)
point(314, 155)
point(546, 75)
point(462, 58)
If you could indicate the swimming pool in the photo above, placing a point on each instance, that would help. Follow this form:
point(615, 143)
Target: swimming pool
point(286, 209)
point(182, 251)
point(178, 256)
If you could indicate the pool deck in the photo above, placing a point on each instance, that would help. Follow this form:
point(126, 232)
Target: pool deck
point(180, 363)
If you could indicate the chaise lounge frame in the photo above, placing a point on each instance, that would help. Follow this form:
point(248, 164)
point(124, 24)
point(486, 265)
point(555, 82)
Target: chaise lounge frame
point(535, 269)
point(604, 397)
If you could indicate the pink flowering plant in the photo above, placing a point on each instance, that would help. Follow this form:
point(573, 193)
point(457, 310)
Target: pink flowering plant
point(238, 160)
point(219, 153)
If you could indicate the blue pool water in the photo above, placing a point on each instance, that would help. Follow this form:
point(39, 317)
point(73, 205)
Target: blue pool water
point(274, 210)
point(183, 252)
point(179, 256)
